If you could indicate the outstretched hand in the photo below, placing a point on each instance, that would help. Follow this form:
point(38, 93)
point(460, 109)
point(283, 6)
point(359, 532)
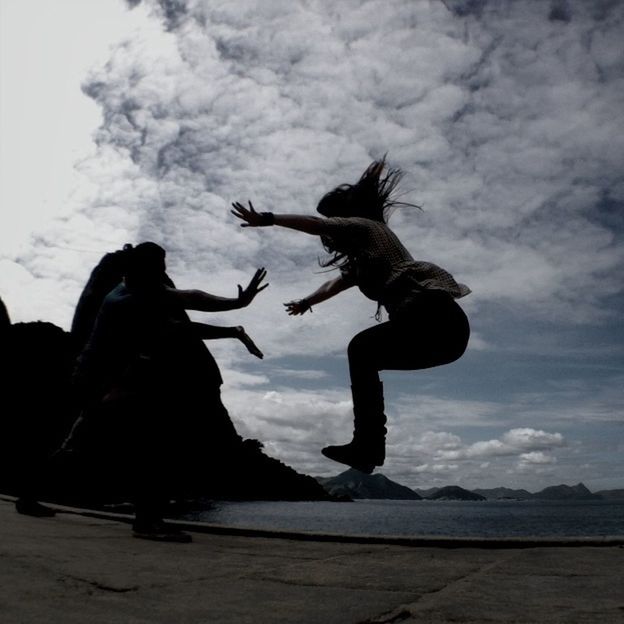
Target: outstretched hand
point(295, 308)
point(246, 295)
point(249, 343)
point(250, 216)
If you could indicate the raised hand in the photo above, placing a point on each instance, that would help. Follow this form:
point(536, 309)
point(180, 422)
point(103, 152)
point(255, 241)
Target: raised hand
point(249, 343)
point(301, 306)
point(250, 217)
point(246, 295)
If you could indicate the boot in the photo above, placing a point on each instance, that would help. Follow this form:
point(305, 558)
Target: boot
point(368, 447)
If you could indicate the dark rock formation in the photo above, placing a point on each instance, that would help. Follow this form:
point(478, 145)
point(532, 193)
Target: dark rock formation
point(37, 411)
point(253, 475)
point(566, 492)
point(5, 321)
point(503, 493)
point(211, 459)
point(426, 492)
point(454, 492)
point(355, 484)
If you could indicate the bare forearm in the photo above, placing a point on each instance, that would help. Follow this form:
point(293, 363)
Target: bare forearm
point(202, 301)
point(328, 290)
point(205, 302)
point(302, 223)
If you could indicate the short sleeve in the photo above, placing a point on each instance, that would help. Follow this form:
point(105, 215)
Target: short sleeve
point(348, 234)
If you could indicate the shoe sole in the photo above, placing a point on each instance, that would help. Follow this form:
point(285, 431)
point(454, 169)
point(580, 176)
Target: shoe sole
point(365, 468)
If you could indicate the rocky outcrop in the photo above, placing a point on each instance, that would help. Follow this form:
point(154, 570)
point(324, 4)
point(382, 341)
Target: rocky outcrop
point(454, 492)
point(503, 493)
point(40, 409)
point(37, 410)
point(355, 484)
point(566, 492)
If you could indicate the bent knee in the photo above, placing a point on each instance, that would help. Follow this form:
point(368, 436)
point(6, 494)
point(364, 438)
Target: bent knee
point(357, 346)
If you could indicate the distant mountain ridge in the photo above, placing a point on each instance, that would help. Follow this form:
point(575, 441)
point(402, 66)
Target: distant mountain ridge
point(454, 492)
point(503, 493)
point(565, 492)
point(355, 484)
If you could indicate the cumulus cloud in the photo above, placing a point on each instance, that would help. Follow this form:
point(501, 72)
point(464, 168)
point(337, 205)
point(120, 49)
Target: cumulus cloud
point(536, 462)
point(506, 119)
point(527, 438)
point(436, 458)
point(293, 424)
point(523, 441)
point(536, 457)
point(297, 373)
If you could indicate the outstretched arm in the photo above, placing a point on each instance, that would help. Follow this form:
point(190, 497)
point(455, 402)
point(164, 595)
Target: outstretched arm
point(326, 291)
point(303, 223)
point(205, 302)
point(214, 332)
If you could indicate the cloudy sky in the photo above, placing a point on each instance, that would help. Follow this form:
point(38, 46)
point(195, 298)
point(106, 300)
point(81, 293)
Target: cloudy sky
point(143, 120)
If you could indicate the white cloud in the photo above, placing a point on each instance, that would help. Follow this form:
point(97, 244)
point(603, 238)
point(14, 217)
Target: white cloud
point(300, 373)
point(536, 457)
point(440, 440)
point(514, 442)
point(505, 141)
point(293, 425)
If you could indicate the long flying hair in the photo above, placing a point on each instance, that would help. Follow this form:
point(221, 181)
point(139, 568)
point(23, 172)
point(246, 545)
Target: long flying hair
point(373, 196)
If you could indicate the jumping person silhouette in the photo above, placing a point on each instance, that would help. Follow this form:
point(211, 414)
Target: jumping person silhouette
point(426, 326)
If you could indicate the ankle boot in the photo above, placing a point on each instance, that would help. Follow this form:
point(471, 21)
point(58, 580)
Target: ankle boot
point(368, 447)
point(351, 455)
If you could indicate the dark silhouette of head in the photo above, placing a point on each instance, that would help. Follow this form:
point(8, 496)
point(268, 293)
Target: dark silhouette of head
point(371, 197)
point(145, 266)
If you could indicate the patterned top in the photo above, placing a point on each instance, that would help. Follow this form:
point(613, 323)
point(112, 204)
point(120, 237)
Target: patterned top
point(377, 259)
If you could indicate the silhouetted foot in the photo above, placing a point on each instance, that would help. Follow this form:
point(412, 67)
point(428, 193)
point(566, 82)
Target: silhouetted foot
point(351, 456)
point(30, 507)
point(158, 531)
point(363, 454)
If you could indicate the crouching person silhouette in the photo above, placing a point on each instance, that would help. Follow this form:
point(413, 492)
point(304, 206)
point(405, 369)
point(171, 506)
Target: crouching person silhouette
point(426, 326)
point(139, 368)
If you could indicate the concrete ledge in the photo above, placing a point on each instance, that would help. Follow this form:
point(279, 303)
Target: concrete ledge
point(85, 566)
point(421, 541)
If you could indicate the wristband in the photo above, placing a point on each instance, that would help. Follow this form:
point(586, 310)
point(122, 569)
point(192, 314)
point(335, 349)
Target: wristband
point(267, 218)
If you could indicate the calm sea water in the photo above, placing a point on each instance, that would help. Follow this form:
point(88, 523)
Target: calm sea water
point(414, 518)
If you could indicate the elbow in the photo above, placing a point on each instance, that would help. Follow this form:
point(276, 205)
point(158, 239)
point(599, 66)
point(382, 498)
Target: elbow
point(319, 225)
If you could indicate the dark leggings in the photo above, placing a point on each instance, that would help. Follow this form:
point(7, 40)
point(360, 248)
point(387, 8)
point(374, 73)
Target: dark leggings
point(426, 329)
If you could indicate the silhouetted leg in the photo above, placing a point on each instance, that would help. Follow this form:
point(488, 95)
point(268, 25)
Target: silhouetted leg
point(31, 487)
point(31, 479)
point(432, 333)
point(151, 472)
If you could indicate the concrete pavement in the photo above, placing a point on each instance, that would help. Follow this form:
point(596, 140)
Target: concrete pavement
point(75, 569)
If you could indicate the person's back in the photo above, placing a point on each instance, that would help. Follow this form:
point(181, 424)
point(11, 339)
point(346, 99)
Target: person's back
point(378, 262)
point(104, 277)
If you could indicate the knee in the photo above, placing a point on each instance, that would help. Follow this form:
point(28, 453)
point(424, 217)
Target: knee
point(356, 348)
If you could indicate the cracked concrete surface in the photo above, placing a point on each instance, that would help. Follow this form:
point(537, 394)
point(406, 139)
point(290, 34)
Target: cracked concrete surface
point(73, 569)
